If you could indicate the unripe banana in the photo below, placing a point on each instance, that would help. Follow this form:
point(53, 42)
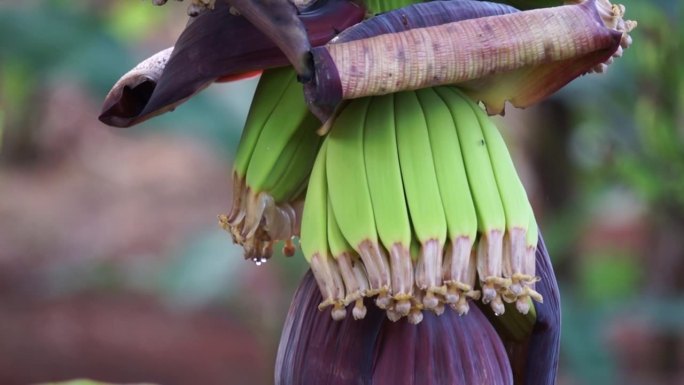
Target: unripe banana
point(350, 196)
point(273, 161)
point(270, 90)
point(379, 6)
point(386, 188)
point(422, 194)
point(314, 239)
point(518, 213)
point(459, 261)
point(351, 268)
point(288, 185)
point(490, 212)
point(523, 302)
point(411, 170)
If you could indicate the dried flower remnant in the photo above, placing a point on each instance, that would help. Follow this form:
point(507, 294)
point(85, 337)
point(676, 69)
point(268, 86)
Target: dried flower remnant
point(521, 57)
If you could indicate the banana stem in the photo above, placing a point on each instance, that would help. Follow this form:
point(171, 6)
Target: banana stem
point(578, 38)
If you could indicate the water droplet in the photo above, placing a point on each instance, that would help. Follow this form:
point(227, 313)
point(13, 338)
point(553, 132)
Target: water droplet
point(259, 261)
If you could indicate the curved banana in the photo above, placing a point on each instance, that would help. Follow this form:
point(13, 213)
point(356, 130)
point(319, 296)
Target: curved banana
point(485, 192)
point(350, 196)
point(288, 183)
point(529, 268)
point(422, 194)
point(314, 239)
point(269, 91)
point(459, 262)
point(351, 268)
point(272, 164)
point(386, 188)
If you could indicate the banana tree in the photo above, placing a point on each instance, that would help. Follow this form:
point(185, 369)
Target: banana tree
point(369, 139)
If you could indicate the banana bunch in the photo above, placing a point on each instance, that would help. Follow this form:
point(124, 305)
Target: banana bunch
point(272, 165)
point(414, 200)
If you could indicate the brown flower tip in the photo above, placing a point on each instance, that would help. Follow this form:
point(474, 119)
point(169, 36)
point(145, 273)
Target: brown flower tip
point(256, 222)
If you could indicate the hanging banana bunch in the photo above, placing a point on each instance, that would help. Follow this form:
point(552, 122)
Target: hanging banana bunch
point(409, 199)
point(396, 168)
point(271, 168)
point(426, 167)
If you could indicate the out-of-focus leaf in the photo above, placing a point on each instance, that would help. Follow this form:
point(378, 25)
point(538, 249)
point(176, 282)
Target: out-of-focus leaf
point(609, 277)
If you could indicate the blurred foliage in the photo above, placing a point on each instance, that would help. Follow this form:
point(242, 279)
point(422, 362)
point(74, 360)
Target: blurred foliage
point(636, 114)
point(627, 146)
point(93, 45)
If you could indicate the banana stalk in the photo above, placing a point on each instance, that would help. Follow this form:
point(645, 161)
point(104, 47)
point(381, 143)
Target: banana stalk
point(528, 55)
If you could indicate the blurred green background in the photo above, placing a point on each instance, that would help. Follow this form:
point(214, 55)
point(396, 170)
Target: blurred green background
point(112, 265)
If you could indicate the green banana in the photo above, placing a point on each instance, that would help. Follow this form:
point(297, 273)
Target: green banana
point(387, 197)
point(490, 212)
point(287, 187)
point(422, 194)
point(459, 264)
point(518, 211)
point(529, 268)
point(314, 239)
point(272, 164)
point(351, 269)
point(374, 7)
point(350, 197)
point(270, 90)
point(288, 118)
point(425, 175)
point(285, 121)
